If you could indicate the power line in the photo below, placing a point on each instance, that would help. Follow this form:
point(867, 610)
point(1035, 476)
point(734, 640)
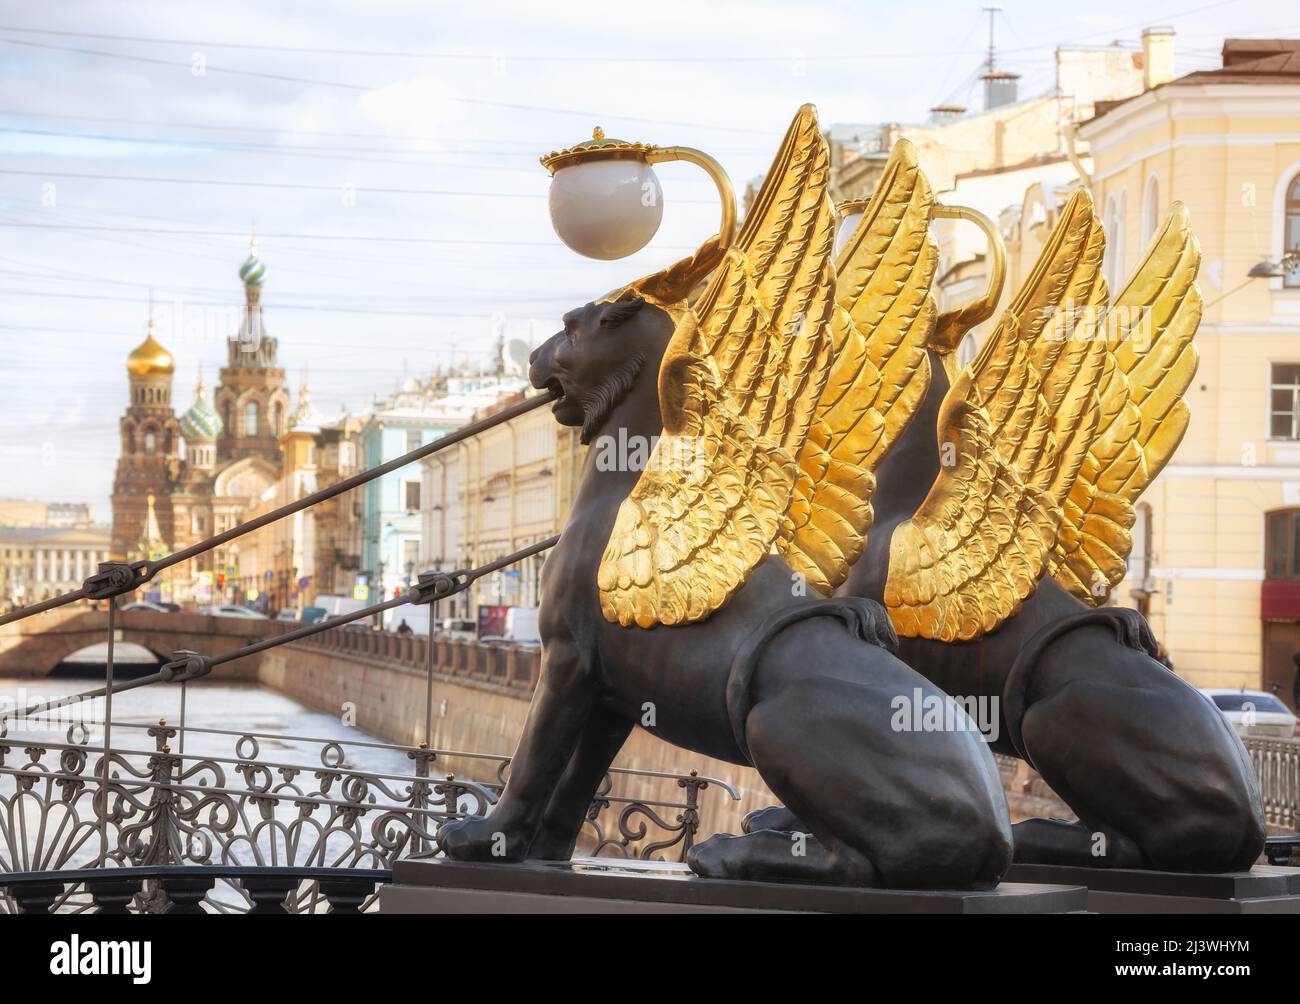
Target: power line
point(278, 305)
point(710, 58)
point(479, 102)
point(185, 232)
point(585, 57)
point(520, 145)
point(263, 148)
point(301, 186)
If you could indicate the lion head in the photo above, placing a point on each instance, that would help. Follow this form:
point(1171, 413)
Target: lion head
point(599, 356)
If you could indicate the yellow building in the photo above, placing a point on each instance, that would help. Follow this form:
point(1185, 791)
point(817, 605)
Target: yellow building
point(1216, 561)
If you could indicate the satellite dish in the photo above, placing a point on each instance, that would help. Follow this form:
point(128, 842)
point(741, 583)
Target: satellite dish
point(515, 356)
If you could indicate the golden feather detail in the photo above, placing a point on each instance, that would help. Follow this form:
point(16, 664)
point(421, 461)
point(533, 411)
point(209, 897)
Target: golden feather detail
point(884, 315)
point(1150, 362)
point(738, 388)
point(1014, 432)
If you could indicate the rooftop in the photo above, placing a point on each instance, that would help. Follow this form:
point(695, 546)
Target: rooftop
point(1246, 61)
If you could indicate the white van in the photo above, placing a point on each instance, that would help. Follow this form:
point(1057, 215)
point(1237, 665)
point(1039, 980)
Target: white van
point(521, 626)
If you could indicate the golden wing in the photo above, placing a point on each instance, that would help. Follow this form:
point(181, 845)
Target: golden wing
point(884, 313)
point(1150, 362)
point(738, 388)
point(1013, 431)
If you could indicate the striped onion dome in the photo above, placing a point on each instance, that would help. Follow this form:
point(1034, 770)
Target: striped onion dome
point(201, 423)
point(254, 269)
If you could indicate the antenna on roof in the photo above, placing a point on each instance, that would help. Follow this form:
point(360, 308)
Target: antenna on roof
point(989, 65)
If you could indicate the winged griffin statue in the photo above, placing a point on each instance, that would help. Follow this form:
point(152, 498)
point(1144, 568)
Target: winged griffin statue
point(833, 517)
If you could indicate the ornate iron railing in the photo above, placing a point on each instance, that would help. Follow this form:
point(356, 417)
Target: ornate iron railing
point(245, 811)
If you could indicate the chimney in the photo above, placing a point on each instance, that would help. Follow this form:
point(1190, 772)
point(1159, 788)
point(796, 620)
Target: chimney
point(1157, 57)
point(1000, 89)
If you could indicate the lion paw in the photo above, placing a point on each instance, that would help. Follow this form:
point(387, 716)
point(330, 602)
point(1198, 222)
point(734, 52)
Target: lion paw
point(481, 838)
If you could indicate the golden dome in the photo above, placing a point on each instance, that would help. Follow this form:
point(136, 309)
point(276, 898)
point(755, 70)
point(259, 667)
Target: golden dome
point(149, 358)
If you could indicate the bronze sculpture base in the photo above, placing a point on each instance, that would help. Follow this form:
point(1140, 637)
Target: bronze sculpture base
point(602, 885)
point(1262, 889)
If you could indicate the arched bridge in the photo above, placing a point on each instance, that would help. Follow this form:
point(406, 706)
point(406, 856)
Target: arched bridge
point(35, 645)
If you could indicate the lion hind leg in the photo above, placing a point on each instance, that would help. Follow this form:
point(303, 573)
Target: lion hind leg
point(895, 808)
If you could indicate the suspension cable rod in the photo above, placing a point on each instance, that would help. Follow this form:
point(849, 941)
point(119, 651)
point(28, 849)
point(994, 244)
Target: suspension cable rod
point(116, 578)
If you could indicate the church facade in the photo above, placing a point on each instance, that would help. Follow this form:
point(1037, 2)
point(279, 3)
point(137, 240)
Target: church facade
point(182, 478)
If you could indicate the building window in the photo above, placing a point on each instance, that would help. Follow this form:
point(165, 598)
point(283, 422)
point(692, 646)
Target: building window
point(412, 440)
point(1291, 276)
point(277, 418)
point(1282, 544)
point(1284, 402)
point(1113, 265)
point(1150, 209)
point(410, 556)
point(150, 442)
point(250, 419)
point(412, 495)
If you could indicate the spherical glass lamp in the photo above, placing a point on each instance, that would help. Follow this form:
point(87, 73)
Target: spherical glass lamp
point(606, 209)
point(606, 201)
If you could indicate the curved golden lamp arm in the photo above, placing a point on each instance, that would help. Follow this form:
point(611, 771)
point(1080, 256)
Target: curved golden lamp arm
point(952, 325)
point(727, 224)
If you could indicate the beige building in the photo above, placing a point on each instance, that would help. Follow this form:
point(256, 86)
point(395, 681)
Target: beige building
point(46, 548)
point(494, 494)
point(1217, 553)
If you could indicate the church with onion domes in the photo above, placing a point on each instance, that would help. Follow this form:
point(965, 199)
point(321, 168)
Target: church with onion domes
point(182, 478)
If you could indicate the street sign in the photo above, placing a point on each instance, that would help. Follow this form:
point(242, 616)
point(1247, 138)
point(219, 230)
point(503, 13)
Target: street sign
point(205, 578)
point(360, 593)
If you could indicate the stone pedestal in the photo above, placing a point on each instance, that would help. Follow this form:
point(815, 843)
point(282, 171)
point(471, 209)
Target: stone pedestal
point(1263, 889)
point(602, 885)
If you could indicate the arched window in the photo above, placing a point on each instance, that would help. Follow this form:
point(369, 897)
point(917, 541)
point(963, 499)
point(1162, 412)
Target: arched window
point(1150, 210)
point(250, 419)
point(277, 418)
point(228, 418)
point(150, 442)
point(1291, 276)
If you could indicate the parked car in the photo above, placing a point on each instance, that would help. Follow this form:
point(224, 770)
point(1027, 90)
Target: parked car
point(148, 606)
point(1254, 713)
point(229, 610)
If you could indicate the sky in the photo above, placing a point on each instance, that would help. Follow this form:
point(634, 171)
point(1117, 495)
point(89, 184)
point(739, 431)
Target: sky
point(385, 154)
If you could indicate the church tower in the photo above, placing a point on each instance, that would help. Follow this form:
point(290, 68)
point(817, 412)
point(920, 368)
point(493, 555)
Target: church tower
point(251, 398)
point(149, 462)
